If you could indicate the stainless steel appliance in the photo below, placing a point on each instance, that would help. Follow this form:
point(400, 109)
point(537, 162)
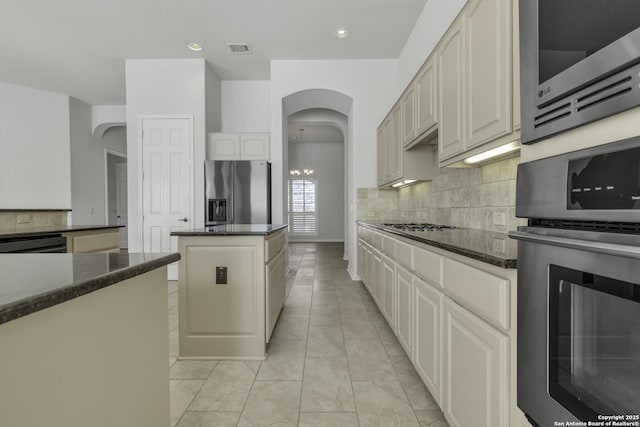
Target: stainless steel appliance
point(237, 192)
point(579, 62)
point(579, 286)
point(44, 243)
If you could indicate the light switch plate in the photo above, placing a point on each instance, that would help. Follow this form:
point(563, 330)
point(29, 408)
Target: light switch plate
point(499, 218)
point(499, 245)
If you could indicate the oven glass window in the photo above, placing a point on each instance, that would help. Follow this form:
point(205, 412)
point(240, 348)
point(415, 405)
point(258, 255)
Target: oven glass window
point(566, 30)
point(594, 343)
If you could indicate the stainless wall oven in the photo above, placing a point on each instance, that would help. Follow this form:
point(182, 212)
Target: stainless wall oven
point(579, 286)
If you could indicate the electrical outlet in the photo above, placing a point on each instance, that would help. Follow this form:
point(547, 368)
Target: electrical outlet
point(23, 219)
point(499, 218)
point(221, 275)
point(499, 245)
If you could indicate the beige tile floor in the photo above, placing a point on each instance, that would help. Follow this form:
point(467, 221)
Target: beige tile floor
point(333, 361)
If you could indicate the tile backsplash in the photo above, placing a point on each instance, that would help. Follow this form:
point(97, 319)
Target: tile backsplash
point(462, 197)
point(9, 219)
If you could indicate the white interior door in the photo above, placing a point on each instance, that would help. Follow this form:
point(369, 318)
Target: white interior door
point(166, 183)
point(121, 201)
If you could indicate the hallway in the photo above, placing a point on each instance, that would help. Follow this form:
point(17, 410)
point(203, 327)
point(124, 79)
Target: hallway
point(332, 361)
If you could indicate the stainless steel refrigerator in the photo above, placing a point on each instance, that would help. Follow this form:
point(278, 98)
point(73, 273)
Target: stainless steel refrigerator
point(237, 192)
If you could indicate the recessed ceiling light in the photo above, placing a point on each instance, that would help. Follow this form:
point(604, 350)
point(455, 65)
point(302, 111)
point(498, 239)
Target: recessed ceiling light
point(342, 33)
point(195, 47)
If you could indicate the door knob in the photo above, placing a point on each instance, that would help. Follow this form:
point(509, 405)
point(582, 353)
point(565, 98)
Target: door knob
point(185, 219)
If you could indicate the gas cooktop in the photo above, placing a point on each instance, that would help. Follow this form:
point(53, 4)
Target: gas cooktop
point(425, 226)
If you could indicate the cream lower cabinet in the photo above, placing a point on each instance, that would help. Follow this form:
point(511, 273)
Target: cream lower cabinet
point(106, 240)
point(230, 315)
point(404, 309)
point(388, 290)
point(455, 318)
point(275, 291)
point(476, 370)
point(427, 354)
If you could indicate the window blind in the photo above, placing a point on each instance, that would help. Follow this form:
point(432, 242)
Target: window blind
point(302, 206)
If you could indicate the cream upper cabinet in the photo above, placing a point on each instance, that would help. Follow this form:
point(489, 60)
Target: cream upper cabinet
point(408, 104)
point(451, 92)
point(238, 146)
point(478, 80)
point(395, 148)
point(476, 378)
point(487, 70)
point(426, 96)
point(395, 162)
point(515, 24)
point(381, 145)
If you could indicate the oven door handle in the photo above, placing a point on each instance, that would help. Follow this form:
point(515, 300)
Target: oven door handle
point(614, 249)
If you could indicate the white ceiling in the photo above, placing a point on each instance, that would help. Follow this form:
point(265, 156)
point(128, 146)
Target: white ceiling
point(79, 47)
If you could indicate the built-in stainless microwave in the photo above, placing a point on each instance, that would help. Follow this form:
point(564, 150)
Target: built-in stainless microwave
point(579, 62)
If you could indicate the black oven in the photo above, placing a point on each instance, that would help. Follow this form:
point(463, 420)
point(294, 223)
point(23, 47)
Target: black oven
point(579, 62)
point(579, 286)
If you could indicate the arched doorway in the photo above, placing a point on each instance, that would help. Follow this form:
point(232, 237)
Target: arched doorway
point(321, 107)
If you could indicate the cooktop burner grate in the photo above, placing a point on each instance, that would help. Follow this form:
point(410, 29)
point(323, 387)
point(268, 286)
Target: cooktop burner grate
point(419, 226)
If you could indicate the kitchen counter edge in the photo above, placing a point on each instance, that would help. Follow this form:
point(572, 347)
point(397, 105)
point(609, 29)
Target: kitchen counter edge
point(233, 230)
point(35, 231)
point(40, 301)
point(502, 262)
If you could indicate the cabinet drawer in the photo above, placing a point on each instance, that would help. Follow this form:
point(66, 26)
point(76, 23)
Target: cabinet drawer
point(389, 246)
point(404, 254)
point(273, 245)
point(377, 240)
point(479, 291)
point(428, 265)
point(103, 242)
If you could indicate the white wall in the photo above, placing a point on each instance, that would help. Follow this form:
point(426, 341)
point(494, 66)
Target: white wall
point(213, 93)
point(246, 106)
point(327, 161)
point(161, 87)
point(35, 168)
point(372, 84)
point(433, 22)
point(88, 164)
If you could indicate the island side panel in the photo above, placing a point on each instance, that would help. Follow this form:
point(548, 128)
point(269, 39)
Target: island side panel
point(222, 321)
point(96, 360)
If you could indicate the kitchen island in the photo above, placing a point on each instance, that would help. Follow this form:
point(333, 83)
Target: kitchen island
point(84, 340)
point(231, 289)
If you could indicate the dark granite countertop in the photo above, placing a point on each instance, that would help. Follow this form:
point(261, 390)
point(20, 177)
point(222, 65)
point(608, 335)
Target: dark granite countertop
point(33, 282)
point(486, 246)
point(34, 231)
point(232, 230)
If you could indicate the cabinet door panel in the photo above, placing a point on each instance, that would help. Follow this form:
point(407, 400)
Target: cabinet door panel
point(388, 291)
point(476, 371)
point(381, 147)
point(487, 70)
point(255, 147)
point(395, 147)
point(451, 93)
point(275, 291)
point(404, 310)
point(427, 308)
point(408, 103)
point(223, 147)
point(426, 108)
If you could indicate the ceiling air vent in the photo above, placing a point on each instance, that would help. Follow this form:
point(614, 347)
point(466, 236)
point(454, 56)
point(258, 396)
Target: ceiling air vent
point(239, 47)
